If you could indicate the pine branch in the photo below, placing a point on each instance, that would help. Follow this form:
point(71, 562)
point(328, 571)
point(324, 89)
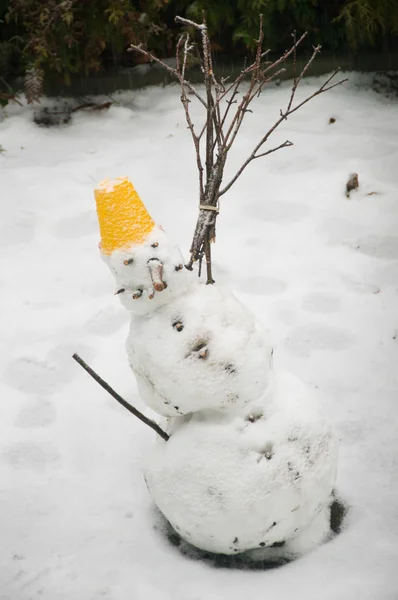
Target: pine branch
point(33, 85)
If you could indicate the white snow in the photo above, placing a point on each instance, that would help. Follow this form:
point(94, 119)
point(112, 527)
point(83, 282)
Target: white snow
point(320, 270)
point(109, 184)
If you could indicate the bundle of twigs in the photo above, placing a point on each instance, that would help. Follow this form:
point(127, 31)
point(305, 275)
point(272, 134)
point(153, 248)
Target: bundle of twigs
point(225, 108)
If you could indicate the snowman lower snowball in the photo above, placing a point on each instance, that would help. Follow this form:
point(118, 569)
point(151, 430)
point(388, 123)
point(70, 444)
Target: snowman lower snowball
point(250, 463)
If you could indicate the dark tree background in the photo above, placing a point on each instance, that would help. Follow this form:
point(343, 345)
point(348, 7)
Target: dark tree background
point(66, 38)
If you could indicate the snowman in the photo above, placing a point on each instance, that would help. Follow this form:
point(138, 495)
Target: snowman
point(250, 463)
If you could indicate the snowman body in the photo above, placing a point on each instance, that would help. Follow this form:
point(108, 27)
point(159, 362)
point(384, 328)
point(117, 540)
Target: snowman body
point(258, 479)
point(250, 463)
point(202, 350)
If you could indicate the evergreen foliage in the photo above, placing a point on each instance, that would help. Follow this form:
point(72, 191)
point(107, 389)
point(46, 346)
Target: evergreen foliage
point(365, 20)
point(80, 37)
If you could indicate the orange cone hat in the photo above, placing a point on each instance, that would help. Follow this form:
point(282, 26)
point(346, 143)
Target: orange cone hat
point(122, 216)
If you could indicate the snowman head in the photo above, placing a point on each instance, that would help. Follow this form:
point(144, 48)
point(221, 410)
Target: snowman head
point(147, 267)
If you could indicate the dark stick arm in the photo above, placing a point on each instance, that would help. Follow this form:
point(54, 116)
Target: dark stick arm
point(121, 401)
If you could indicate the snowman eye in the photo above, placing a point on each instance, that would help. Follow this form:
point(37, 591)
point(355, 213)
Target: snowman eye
point(178, 325)
point(128, 261)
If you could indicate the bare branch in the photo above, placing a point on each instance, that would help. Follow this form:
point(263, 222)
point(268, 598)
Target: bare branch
point(257, 62)
point(208, 77)
point(184, 41)
point(283, 117)
point(259, 89)
point(207, 250)
point(223, 122)
point(253, 66)
point(297, 80)
point(254, 69)
point(286, 54)
point(284, 145)
point(294, 36)
point(185, 101)
point(190, 23)
point(134, 411)
point(178, 48)
point(330, 79)
point(321, 90)
point(184, 62)
point(172, 71)
point(230, 102)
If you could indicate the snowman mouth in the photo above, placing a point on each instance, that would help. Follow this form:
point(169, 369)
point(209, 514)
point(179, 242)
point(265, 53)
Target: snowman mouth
point(155, 267)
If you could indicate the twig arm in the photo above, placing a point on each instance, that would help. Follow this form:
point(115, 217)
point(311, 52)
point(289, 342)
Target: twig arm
point(121, 400)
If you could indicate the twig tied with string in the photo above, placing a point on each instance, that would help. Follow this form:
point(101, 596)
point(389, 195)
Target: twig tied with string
point(225, 110)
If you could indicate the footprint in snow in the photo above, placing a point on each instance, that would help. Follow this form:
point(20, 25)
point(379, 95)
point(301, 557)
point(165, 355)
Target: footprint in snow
point(34, 456)
point(107, 321)
point(338, 231)
point(386, 275)
point(32, 376)
point(306, 338)
point(262, 285)
point(321, 303)
point(29, 578)
point(97, 287)
point(20, 231)
point(45, 376)
point(279, 212)
point(379, 247)
point(360, 287)
point(38, 414)
point(77, 226)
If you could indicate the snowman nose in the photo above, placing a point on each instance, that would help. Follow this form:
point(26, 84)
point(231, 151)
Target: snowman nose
point(156, 270)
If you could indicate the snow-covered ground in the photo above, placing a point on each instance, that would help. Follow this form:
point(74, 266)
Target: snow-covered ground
point(320, 271)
